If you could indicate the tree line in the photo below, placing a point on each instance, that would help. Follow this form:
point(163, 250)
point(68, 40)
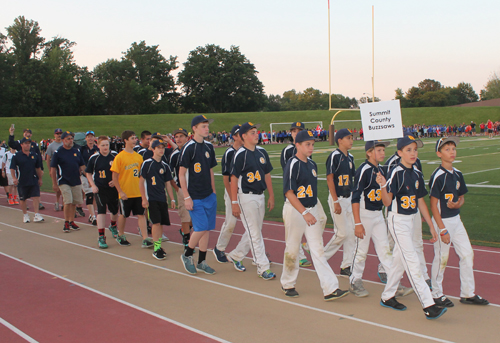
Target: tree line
point(41, 78)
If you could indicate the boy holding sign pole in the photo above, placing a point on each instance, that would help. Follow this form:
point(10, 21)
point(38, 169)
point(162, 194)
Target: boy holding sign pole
point(402, 193)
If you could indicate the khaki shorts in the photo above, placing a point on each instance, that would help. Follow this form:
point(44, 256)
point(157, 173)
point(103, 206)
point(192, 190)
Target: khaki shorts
point(71, 194)
point(183, 213)
point(85, 185)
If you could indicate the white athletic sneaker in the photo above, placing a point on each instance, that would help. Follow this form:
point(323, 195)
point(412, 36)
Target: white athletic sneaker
point(56, 207)
point(26, 218)
point(38, 218)
point(164, 238)
point(358, 289)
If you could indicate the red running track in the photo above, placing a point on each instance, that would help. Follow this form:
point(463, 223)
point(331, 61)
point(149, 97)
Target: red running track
point(486, 266)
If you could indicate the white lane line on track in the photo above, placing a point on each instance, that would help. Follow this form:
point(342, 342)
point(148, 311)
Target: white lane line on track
point(382, 326)
point(116, 299)
point(16, 330)
point(265, 223)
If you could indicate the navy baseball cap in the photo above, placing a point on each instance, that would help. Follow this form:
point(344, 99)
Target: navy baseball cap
point(445, 140)
point(407, 140)
point(89, 133)
point(67, 133)
point(157, 142)
point(372, 144)
point(297, 125)
point(200, 119)
point(341, 134)
point(304, 135)
point(24, 140)
point(235, 130)
point(57, 131)
point(247, 127)
point(156, 134)
point(180, 130)
point(26, 130)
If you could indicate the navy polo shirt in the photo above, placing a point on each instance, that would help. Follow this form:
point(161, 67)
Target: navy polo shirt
point(447, 185)
point(87, 152)
point(407, 186)
point(367, 191)
point(100, 168)
point(343, 170)
point(251, 167)
point(156, 175)
point(198, 159)
point(67, 163)
point(302, 178)
point(25, 167)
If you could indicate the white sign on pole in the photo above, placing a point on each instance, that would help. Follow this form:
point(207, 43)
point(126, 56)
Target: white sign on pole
point(381, 120)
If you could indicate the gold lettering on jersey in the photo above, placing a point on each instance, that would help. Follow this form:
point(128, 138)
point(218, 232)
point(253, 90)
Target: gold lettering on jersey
point(133, 165)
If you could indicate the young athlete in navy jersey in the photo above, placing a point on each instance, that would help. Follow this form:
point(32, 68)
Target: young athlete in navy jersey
point(180, 137)
point(417, 232)
point(304, 215)
point(340, 172)
point(369, 220)
point(402, 193)
point(155, 174)
point(447, 190)
point(87, 151)
point(26, 172)
point(227, 228)
point(250, 177)
point(99, 175)
point(196, 177)
point(288, 152)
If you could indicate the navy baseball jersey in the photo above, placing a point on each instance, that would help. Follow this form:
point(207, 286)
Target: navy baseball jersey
point(302, 178)
point(156, 175)
point(343, 170)
point(25, 167)
point(251, 167)
point(174, 165)
point(447, 185)
point(100, 168)
point(367, 191)
point(226, 161)
point(87, 152)
point(67, 163)
point(148, 153)
point(394, 160)
point(287, 153)
point(198, 159)
point(407, 185)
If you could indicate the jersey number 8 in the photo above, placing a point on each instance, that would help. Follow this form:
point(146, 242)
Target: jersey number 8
point(251, 177)
point(408, 201)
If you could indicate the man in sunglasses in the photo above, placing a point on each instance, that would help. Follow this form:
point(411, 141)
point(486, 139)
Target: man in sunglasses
point(87, 151)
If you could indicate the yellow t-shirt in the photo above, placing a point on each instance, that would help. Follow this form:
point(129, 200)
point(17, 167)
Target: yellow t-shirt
point(128, 165)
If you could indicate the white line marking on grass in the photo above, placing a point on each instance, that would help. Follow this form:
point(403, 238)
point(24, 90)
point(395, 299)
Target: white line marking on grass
point(481, 183)
point(16, 330)
point(480, 171)
point(363, 321)
point(116, 299)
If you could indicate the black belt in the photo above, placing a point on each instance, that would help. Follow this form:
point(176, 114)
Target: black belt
point(255, 193)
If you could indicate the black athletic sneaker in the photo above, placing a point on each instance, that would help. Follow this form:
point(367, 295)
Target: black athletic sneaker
point(159, 254)
point(434, 312)
point(66, 228)
point(336, 295)
point(345, 271)
point(185, 238)
point(475, 300)
point(80, 212)
point(393, 303)
point(290, 292)
point(122, 240)
point(220, 256)
point(443, 302)
point(41, 207)
point(73, 226)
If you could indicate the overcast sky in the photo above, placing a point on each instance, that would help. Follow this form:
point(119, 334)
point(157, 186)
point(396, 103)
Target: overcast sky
point(287, 40)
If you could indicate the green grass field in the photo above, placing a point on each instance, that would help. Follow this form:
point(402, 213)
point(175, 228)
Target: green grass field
point(479, 157)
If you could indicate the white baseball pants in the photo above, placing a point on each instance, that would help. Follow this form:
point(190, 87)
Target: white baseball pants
point(343, 225)
point(463, 248)
point(405, 258)
point(253, 208)
point(227, 228)
point(295, 228)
